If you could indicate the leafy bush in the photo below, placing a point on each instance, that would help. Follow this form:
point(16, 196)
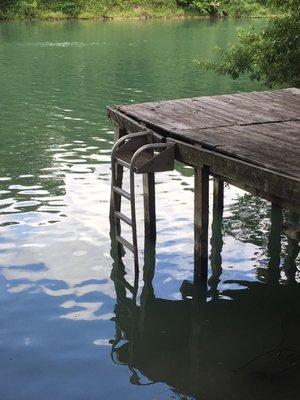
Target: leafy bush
point(72, 8)
point(271, 55)
point(27, 9)
point(238, 8)
point(203, 7)
point(235, 8)
point(207, 7)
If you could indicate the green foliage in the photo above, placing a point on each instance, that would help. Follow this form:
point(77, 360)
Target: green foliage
point(207, 7)
point(236, 8)
point(239, 8)
point(129, 8)
point(21, 8)
point(249, 220)
point(272, 55)
point(28, 9)
point(72, 8)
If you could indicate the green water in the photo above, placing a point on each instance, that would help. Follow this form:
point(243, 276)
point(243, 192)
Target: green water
point(60, 310)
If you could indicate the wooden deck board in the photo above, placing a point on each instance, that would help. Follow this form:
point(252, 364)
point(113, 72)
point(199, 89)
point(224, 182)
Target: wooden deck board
point(269, 150)
point(250, 139)
point(258, 127)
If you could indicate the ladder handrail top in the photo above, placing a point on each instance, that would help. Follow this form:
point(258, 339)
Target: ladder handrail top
point(146, 147)
point(126, 137)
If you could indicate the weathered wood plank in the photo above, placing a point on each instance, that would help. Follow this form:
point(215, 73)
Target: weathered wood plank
point(241, 108)
point(129, 125)
point(124, 122)
point(250, 138)
point(237, 111)
point(264, 106)
point(277, 153)
point(149, 207)
point(278, 103)
point(281, 156)
point(263, 179)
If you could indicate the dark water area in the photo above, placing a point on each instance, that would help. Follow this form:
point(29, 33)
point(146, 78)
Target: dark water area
point(67, 330)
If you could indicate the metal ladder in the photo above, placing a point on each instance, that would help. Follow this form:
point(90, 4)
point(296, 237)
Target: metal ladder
point(142, 152)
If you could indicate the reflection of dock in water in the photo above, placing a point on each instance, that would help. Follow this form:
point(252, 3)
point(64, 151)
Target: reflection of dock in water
point(246, 347)
point(216, 350)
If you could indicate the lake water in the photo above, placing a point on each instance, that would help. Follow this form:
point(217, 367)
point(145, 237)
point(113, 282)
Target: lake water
point(61, 334)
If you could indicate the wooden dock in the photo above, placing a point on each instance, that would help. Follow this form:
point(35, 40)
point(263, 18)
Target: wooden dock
point(250, 140)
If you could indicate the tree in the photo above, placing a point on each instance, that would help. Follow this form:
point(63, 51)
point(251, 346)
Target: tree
point(272, 55)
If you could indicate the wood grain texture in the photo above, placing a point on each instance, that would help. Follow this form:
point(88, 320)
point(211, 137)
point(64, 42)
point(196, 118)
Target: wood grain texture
point(261, 129)
point(201, 215)
point(257, 127)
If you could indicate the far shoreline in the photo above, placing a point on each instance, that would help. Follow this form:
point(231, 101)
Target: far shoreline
point(133, 18)
point(136, 13)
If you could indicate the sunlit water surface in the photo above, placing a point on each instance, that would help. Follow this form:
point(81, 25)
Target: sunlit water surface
point(57, 299)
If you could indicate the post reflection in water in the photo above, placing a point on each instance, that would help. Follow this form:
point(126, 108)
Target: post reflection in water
point(289, 265)
point(243, 348)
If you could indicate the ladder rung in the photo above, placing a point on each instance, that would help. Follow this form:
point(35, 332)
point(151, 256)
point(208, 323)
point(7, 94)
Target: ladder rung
point(125, 243)
point(122, 192)
point(127, 285)
point(123, 217)
point(121, 279)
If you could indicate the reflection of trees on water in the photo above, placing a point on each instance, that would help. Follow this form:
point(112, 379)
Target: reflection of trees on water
point(253, 220)
point(248, 220)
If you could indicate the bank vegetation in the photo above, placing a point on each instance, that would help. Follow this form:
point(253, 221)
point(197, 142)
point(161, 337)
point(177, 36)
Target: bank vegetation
point(61, 9)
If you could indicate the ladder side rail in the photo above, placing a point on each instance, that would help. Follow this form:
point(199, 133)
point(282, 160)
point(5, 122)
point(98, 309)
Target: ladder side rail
point(134, 229)
point(114, 166)
point(132, 202)
point(114, 180)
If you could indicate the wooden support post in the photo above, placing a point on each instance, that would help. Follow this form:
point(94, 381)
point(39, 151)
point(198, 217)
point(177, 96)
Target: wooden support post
point(147, 295)
point(218, 198)
point(201, 214)
point(216, 238)
point(149, 207)
point(274, 245)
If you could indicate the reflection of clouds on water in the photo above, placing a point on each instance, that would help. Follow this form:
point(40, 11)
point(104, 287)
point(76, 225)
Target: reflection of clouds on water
point(84, 311)
point(73, 243)
point(175, 242)
point(62, 44)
